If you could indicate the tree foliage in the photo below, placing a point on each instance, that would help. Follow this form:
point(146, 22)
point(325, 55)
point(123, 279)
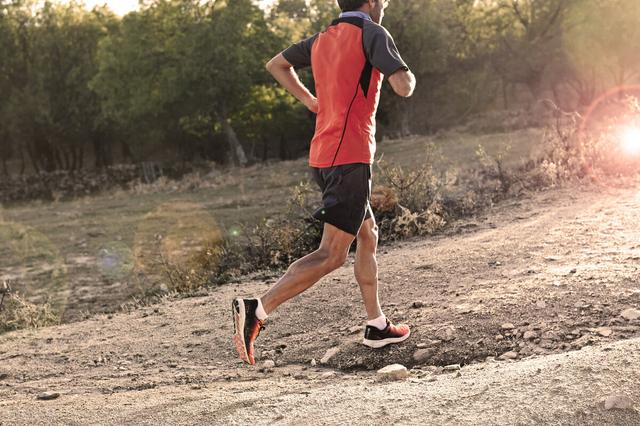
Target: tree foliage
point(183, 80)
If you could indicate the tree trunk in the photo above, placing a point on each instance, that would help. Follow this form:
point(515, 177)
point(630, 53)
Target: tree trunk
point(237, 154)
point(283, 148)
point(405, 119)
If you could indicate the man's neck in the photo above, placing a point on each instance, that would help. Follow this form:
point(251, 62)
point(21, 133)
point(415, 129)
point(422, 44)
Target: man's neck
point(356, 14)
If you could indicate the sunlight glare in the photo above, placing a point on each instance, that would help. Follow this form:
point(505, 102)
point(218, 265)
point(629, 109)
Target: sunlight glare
point(630, 140)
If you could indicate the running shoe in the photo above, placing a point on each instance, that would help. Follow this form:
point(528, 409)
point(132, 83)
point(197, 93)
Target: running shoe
point(247, 327)
point(376, 338)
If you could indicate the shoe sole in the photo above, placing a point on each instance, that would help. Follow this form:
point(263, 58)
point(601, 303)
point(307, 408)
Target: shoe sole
point(384, 342)
point(237, 306)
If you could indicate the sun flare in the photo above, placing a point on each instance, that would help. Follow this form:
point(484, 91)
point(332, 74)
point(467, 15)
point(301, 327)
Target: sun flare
point(630, 140)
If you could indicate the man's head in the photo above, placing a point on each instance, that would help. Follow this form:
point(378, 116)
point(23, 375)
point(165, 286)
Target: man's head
point(375, 8)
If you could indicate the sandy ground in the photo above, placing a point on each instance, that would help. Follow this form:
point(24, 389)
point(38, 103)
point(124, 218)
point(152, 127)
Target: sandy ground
point(542, 281)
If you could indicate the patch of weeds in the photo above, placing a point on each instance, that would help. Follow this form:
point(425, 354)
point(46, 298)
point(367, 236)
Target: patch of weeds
point(17, 313)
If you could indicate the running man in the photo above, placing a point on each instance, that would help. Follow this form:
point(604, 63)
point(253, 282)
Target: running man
point(348, 60)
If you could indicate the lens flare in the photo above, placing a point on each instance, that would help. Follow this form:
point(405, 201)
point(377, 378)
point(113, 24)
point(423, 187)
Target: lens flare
point(630, 140)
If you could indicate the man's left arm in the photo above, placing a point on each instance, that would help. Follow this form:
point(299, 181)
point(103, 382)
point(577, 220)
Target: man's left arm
point(283, 65)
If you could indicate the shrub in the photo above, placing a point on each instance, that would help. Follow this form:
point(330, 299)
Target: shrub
point(17, 313)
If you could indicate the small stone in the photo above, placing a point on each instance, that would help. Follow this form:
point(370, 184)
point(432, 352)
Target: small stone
point(630, 314)
point(619, 402)
point(451, 367)
point(172, 365)
point(422, 345)
point(509, 355)
point(499, 337)
point(604, 331)
point(541, 304)
point(355, 329)
point(328, 375)
point(313, 362)
point(46, 396)
point(449, 334)
point(417, 304)
point(393, 372)
point(330, 353)
point(268, 364)
point(530, 335)
point(507, 326)
point(422, 355)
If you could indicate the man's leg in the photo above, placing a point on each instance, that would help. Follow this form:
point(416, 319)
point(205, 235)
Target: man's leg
point(305, 272)
point(379, 331)
point(249, 314)
point(366, 267)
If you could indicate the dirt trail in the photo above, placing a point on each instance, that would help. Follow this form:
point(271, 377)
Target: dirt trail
point(543, 279)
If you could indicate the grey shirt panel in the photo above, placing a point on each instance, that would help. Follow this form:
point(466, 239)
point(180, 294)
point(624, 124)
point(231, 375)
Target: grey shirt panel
point(380, 49)
point(299, 54)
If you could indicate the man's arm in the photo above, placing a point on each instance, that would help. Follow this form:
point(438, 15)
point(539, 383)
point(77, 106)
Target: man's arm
point(284, 73)
point(403, 82)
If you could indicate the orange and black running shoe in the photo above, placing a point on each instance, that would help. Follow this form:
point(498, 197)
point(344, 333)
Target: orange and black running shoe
point(247, 327)
point(376, 338)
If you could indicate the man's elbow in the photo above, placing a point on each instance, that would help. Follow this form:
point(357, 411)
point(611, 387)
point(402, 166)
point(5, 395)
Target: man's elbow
point(403, 84)
point(269, 65)
point(405, 90)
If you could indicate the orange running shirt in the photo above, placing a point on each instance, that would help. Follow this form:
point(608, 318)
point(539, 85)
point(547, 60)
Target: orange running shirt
point(348, 60)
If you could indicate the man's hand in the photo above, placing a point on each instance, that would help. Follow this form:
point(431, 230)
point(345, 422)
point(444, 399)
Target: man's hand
point(284, 73)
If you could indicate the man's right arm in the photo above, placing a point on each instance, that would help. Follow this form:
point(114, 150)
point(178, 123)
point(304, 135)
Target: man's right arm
point(403, 82)
point(383, 54)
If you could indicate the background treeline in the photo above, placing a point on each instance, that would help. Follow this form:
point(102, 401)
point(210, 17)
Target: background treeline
point(184, 80)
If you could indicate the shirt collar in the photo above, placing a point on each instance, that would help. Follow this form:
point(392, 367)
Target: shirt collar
point(355, 14)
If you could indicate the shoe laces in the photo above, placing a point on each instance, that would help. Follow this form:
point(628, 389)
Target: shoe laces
point(260, 326)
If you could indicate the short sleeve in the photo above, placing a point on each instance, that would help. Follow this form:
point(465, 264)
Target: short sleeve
point(299, 54)
point(381, 50)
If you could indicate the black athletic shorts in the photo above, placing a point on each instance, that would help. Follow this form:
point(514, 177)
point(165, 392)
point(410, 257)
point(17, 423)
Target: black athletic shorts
point(346, 192)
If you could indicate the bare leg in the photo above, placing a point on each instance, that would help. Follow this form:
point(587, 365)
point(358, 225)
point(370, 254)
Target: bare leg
point(366, 267)
point(306, 271)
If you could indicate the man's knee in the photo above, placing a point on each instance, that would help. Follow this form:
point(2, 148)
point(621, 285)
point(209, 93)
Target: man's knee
point(332, 259)
point(368, 235)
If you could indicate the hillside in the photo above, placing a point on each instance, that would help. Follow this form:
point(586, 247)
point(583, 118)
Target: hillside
point(550, 278)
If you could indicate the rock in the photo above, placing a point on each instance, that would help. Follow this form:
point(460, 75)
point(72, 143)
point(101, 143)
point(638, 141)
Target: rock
point(422, 355)
point(328, 375)
point(530, 335)
point(268, 364)
point(541, 304)
point(509, 355)
point(422, 345)
point(507, 326)
point(330, 353)
point(355, 329)
point(46, 396)
point(418, 304)
point(499, 337)
point(604, 331)
point(393, 372)
point(313, 362)
point(630, 314)
point(3, 376)
point(618, 402)
point(451, 367)
point(449, 334)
